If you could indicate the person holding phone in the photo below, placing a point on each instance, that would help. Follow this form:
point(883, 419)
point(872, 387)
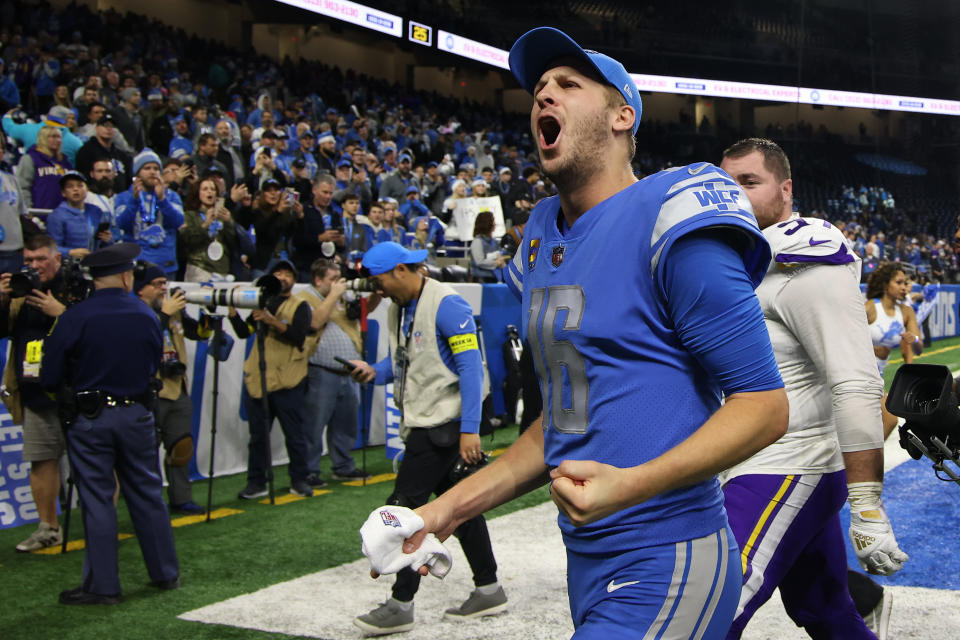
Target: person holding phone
point(208, 235)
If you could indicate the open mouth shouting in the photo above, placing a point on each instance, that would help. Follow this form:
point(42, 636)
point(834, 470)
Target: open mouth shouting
point(549, 132)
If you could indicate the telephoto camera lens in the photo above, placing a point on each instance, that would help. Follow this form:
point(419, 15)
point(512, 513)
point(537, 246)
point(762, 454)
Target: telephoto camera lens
point(361, 284)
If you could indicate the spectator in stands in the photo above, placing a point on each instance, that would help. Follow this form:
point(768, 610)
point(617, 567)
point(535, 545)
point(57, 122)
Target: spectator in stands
point(61, 97)
point(485, 255)
point(485, 159)
point(229, 152)
point(206, 155)
point(75, 224)
point(327, 153)
point(479, 188)
point(355, 233)
point(103, 146)
point(100, 191)
point(40, 169)
point(26, 133)
point(373, 222)
point(392, 222)
point(208, 237)
point(306, 139)
point(181, 144)
point(355, 182)
point(129, 119)
point(9, 93)
point(89, 97)
point(149, 213)
point(273, 219)
point(523, 196)
point(412, 207)
point(458, 192)
point(13, 209)
point(395, 185)
point(268, 122)
point(433, 188)
point(96, 113)
point(264, 170)
point(503, 186)
point(319, 230)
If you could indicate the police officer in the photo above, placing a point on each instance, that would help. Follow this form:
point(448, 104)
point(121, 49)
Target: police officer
point(174, 412)
point(439, 386)
point(106, 350)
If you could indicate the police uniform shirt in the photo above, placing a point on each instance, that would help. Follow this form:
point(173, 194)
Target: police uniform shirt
point(109, 342)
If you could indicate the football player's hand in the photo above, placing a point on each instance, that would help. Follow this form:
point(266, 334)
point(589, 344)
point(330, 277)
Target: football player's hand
point(871, 532)
point(586, 491)
point(437, 520)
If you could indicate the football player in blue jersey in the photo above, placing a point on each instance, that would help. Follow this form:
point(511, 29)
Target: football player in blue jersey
point(639, 304)
point(784, 502)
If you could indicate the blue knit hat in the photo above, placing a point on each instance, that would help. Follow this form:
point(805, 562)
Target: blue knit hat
point(145, 157)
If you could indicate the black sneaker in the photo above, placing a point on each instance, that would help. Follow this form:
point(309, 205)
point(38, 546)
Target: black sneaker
point(315, 481)
point(167, 585)
point(301, 488)
point(79, 596)
point(252, 492)
point(353, 474)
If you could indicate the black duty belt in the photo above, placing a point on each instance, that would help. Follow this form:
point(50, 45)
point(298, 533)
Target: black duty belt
point(91, 402)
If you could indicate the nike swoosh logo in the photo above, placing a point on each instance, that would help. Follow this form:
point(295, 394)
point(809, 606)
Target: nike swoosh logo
point(464, 324)
point(814, 243)
point(695, 170)
point(613, 587)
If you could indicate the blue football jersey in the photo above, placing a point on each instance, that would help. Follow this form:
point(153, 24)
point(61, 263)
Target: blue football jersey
point(618, 385)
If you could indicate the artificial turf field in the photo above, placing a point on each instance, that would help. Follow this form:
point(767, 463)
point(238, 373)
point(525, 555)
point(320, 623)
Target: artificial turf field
point(240, 553)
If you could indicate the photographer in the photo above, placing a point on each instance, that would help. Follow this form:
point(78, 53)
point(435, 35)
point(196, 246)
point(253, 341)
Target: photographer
point(286, 344)
point(27, 321)
point(439, 387)
point(332, 396)
point(174, 411)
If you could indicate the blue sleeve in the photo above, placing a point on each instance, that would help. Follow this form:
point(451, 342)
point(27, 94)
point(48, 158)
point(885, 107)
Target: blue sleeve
point(172, 208)
point(455, 319)
point(57, 230)
point(710, 298)
point(384, 371)
point(127, 211)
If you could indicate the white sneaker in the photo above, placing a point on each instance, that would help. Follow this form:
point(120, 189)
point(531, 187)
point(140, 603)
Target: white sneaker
point(44, 536)
point(879, 619)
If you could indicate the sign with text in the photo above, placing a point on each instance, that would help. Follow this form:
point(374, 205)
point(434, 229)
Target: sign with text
point(465, 214)
point(420, 33)
point(358, 14)
point(472, 49)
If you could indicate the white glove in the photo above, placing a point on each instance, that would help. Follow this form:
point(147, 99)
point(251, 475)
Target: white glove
point(871, 532)
point(383, 534)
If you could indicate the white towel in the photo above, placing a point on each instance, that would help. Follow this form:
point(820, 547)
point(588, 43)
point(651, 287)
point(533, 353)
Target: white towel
point(383, 534)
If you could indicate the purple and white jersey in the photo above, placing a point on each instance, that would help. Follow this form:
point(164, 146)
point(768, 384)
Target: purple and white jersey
point(814, 313)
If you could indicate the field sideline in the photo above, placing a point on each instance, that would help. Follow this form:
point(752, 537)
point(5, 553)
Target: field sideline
point(264, 545)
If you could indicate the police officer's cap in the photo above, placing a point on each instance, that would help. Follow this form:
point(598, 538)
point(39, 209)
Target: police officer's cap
point(111, 260)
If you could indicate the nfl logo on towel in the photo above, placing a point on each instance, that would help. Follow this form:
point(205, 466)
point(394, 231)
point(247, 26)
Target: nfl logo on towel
point(389, 519)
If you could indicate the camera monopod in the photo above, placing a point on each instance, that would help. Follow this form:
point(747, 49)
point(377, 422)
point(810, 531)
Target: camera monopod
point(364, 426)
point(268, 419)
point(220, 351)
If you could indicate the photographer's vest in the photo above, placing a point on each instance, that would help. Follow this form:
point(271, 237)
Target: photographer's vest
point(173, 339)
point(431, 394)
point(286, 364)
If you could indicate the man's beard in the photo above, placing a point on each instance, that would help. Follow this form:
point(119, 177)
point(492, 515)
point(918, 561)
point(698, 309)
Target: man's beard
point(586, 145)
point(102, 186)
point(157, 303)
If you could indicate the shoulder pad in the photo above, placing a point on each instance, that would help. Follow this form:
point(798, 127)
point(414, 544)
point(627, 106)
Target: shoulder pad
point(808, 240)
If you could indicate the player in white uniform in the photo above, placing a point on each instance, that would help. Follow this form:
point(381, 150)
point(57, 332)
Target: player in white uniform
point(783, 502)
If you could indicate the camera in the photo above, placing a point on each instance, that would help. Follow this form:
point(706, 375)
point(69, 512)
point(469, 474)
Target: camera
point(461, 469)
point(361, 285)
point(255, 297)
point(75, 282)
point(24, 282)
point(172, 369)
point(924, 395)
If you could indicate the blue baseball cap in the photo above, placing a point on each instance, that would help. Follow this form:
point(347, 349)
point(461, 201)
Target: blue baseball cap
point(532, 53)
point(385, 256)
